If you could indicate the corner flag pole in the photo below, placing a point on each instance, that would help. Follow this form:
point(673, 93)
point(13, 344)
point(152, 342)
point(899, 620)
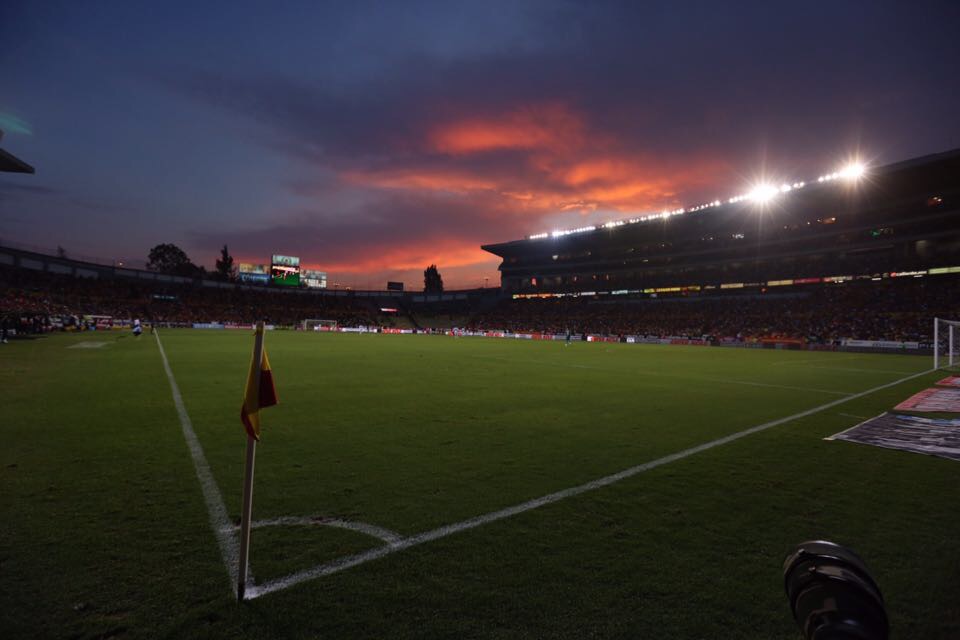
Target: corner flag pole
point(247, 510)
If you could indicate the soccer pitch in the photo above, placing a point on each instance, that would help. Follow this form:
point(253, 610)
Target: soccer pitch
point(473, 481)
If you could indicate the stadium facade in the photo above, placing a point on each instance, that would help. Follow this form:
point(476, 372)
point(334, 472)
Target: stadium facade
point(897, 220)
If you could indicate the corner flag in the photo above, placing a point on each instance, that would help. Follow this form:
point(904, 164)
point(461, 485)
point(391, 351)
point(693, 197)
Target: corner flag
point(259, 392)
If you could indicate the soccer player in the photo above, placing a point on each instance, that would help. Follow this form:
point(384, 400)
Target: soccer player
point(137, 329)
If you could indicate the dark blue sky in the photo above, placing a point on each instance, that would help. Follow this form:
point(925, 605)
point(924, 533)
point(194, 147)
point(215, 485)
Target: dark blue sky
point(375, 138)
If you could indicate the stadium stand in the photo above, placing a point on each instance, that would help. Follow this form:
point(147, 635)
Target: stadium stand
point(894, 219)
point(29, 293)
point(851, 256)
point(892, 309)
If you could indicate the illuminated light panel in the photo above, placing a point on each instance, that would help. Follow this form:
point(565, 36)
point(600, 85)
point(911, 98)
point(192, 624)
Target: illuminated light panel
point(761, 193)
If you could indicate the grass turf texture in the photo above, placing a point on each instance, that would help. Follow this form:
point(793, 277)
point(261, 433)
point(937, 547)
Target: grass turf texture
point(105, 533)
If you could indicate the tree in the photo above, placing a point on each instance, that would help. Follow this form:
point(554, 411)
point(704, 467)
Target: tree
point(432, 282)
point(225, 270)
point(171, 259)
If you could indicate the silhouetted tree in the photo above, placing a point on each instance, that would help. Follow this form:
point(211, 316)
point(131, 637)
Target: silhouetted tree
point(225, 270)
point(169, 258)
point(61, 252)
point(432, 282)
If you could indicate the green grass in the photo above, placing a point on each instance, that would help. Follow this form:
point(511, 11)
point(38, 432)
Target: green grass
point(104, 531)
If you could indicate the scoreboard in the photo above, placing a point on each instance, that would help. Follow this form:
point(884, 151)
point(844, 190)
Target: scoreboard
point(285, 271)
point(314, 279)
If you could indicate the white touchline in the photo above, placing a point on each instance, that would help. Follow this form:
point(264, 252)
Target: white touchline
point(219, 519)
point(833, 437)
point(351, 561)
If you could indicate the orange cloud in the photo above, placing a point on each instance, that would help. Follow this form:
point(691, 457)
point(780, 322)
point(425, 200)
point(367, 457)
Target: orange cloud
point(565, 182)
point(534, 127)
point(452, 252)
point(559, 163)
point(420, 179)
point(556, 164)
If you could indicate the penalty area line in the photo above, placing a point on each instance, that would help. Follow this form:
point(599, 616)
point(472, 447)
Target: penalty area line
point(347, 562)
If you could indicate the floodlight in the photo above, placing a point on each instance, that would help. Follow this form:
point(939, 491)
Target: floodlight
point(853, 171)
point(763, 193)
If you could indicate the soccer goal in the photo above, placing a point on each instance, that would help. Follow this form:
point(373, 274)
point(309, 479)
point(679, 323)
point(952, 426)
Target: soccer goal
point(945, 343)
point(313, 324)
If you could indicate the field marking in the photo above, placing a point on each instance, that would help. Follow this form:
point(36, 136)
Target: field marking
point(851, 415)
point(829, 368)
point(346, 562)
point(388, 536)
point(862, 420)
point(782, 362)
point(775, 386)
point(219, 518)
point(677, 376)
point(88, 344)
point(854, 369)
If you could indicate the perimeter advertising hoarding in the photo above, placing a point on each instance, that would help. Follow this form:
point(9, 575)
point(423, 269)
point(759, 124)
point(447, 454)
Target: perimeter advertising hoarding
point(257, 273)
point(285, 271)
point(314, 279)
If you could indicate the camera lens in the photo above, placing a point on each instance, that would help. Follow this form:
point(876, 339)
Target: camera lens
point(832, 595)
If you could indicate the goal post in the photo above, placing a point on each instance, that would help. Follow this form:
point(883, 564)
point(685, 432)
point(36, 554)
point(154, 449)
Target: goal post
point(946, 342)
point(316, 324)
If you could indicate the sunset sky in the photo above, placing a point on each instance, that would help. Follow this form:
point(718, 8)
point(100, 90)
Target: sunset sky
point(373, 139)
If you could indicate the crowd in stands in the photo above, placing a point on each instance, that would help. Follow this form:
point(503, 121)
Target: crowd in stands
point(899, 309)
point(896, 309)
point(27, 292)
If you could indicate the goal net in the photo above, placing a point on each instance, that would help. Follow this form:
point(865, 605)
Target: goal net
point(946, 343)
point(313, 324)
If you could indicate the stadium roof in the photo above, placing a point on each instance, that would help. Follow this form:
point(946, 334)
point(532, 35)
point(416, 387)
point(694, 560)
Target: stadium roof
point(817, 188)
point(13, 164)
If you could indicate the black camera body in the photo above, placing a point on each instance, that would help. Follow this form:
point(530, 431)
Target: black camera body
point(832, 595)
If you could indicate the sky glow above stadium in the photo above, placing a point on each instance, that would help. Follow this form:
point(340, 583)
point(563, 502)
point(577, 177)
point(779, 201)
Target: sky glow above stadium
point(762, 194)
point(373, 140)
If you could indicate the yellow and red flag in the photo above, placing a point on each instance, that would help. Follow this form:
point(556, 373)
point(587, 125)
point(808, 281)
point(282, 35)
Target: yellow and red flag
point(260, 392)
